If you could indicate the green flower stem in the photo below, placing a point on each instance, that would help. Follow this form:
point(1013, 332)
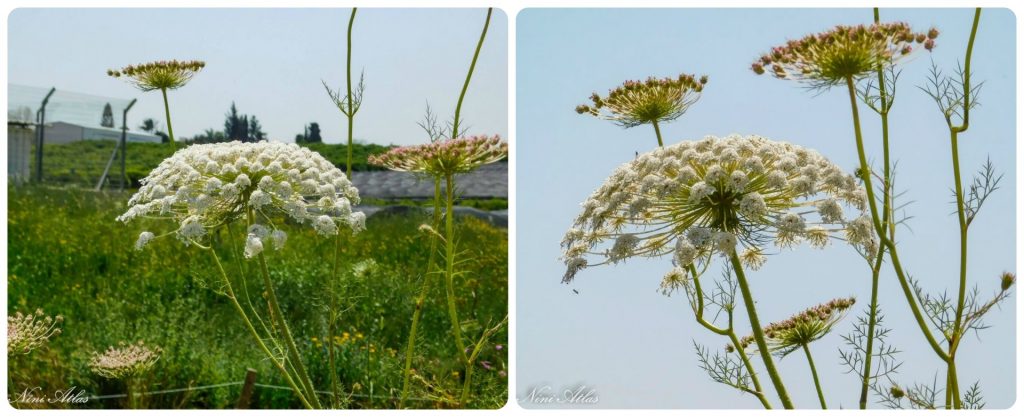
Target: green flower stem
point(954, 337)
point(865, 173)
point(259, 340)
point(755, 324)
point(469, 75)
point(278, 314)
point(449, 240)
point(814, 373)
point(657, 131)
point(418, 309)
point(731, 333)
point(876, 269)
point(167, 112)
point(348, 79)
point(332, 319)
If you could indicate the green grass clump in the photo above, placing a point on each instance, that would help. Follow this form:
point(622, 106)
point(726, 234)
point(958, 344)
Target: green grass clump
point(68, 256)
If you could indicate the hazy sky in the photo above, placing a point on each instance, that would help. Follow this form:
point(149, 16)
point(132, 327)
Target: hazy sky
point(270, 62)
point(632, 345)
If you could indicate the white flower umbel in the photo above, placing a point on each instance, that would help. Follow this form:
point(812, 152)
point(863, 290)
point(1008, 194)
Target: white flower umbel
point(203, 187)
point(716, 195)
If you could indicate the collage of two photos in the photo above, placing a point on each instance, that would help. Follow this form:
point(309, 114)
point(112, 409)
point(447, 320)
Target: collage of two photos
point(685, 208)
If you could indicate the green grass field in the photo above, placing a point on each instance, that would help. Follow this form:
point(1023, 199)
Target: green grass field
point(68, 256)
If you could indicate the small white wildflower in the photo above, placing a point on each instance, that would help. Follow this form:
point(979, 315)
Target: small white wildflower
point(192, 227)
point(267, 183)
point(791, 222)
point(259, 230)
point(673, 281)
point(686, 253)
point(699, 236)
point(325, 225)
point(752, 205)
point(357, 221)
point(725, 242)
point(258, 199)
point(253, 245)
point(242, 181)
point(278, 238)
point(753, 258)
point(573, 266)
point(700, 190)
point(830, 211)
point(623, 247)
point(738, 180)
point(817, 236)
point(212, 185)
point(144, 239)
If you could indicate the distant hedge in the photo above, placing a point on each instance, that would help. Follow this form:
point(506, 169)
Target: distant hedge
point(81, 163)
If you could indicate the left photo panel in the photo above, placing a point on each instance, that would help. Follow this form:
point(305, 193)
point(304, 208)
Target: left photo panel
point(257, 208)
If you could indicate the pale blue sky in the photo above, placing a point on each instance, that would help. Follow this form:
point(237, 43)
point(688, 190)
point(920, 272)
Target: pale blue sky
point(270, 62)
point(632, 345)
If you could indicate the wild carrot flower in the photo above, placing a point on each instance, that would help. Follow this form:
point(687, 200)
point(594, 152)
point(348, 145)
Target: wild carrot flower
point(803, 328)
point(206, 186)
point(716, 195)
point(446, 157)
point(159, 75)
point(28, 332)
point(635, 103)
point(829, 58)
point(124, 361)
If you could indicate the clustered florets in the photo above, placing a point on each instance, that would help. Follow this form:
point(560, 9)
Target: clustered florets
point(831, 57)
point(124, 361)
point(640, 102)
point(28, 332)
point(203, 187)
point(160, 75)
point(444, 157)
point(717, 195)
point(803, 328)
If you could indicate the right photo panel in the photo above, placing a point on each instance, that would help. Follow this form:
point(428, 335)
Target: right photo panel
point(766, 208)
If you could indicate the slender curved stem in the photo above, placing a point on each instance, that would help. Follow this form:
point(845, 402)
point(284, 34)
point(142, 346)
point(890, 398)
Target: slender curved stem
point(865, 172)
point(657, 131)
point(167, 112)
point(956, 333)
point(469, 75)
point(278, 314)
point(418, 309)
point(331, 320)
point(730, 332)
point(755, 324)
point(350, 113)
point(255, 334)
point(814, 373)
point(449, 276)
point(884, 103)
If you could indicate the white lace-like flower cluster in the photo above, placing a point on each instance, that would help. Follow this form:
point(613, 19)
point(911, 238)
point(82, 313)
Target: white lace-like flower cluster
point(203, 187)
point(717, 195)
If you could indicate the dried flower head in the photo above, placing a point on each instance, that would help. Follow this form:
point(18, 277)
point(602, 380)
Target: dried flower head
point(696, 198)
point(829, 58)
point(445, 157)
point(124, 361)
point(28, 332)
point(640, 102)
point(803, 328)
point(1006, 280)
point(160, 75)
point(203, 187)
